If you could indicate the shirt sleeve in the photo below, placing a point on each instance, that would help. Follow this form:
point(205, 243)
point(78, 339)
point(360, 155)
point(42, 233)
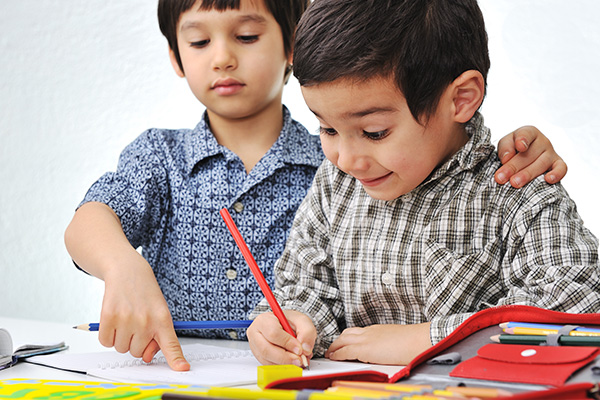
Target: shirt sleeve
point(137, 190)
point(551, 260)
point(304, 275)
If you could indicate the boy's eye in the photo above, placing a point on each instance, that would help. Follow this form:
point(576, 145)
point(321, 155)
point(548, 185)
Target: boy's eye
point(376, 135)
point(199, 43)
point(248, 38)
point(327, 131)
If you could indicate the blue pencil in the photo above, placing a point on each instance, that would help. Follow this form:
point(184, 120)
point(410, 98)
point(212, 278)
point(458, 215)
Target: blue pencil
point(178, 325)
point(543, 326)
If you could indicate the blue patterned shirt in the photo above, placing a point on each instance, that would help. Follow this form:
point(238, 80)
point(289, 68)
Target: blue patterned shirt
point(167, 191)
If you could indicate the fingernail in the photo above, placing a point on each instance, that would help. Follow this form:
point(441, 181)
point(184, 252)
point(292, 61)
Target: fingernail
point(297, 363)
point(502, 177)
point(525, 144)
point(552, 178)
point(504, 155)
point(306, 347)
point(517, 181)
point(297, 351)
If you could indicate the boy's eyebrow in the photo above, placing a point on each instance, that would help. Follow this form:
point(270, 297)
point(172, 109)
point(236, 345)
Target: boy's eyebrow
point(361, 113)
point(253, 18)
point(259, 19)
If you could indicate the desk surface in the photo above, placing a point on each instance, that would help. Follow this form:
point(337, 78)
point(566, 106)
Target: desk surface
point(28, 331)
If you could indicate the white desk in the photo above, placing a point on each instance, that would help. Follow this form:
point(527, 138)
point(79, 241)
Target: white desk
point(28, 331)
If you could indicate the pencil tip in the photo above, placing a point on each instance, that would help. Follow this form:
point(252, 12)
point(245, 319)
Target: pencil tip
point(504, 325)
point(495, 338)
point(305, 362)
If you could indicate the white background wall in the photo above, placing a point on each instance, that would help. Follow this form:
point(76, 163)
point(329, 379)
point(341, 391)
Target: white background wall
point(81, 79)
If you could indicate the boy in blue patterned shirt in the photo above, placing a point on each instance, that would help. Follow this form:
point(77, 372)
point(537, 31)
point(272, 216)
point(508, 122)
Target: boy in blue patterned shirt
point(246, 154)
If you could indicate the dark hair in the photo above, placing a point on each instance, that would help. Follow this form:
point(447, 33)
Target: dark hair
point(423, 44)
point(286, 13)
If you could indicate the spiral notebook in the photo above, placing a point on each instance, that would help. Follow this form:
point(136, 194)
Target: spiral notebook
point(210, 366)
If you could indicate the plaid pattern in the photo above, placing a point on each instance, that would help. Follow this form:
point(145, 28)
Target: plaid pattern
point(456, 244)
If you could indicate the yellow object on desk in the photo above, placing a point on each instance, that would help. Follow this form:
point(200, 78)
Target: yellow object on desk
point(35, 389)
point(361, 393)
point(63, 390)
point(271, 373)
point(274, 394)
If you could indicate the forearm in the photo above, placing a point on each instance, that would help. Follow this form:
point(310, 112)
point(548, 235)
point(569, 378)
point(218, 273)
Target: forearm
point(96, 242)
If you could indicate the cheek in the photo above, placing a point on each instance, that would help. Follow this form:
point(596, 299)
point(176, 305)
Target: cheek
point(270, 72)
point(329, 149)
point(397, 161)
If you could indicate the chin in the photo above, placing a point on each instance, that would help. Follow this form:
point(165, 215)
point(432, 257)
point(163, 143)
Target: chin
point(385, 195)
point(381, 196)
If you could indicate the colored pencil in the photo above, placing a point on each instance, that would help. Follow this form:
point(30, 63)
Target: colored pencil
point(544, 326)
point(539, 331)
point(260, 278)
point(179, 325)
point(538, 339)
point(478, 392)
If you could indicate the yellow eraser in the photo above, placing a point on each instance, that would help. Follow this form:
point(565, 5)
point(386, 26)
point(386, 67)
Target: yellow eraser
point(271, 373)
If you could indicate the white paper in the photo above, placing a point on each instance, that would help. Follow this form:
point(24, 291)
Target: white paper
point(210, 366)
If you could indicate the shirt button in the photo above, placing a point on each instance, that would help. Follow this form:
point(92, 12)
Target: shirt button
point(231, 273)
point(238, 207)
point(233, 334)
point(387, 279)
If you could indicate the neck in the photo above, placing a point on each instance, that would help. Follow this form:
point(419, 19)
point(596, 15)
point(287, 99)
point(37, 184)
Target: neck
point(459, 138)
point(251, 137)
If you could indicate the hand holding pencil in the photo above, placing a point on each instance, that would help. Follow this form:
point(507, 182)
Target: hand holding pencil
point(270, 344)
point(268, 336)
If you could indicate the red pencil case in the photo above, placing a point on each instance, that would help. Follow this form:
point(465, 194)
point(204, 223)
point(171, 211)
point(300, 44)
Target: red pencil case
point(495, 316)
point(477, 322)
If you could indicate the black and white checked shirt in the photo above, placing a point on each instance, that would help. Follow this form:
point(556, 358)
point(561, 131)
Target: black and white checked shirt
point(456, 244)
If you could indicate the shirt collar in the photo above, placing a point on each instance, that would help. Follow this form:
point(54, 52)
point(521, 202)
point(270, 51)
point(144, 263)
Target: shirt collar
point(294, 145)
point(476, 150)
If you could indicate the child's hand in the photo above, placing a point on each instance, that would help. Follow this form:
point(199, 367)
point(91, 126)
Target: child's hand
point(135, 316)
point(381, 344)
point(526, 153)
point(270, 344)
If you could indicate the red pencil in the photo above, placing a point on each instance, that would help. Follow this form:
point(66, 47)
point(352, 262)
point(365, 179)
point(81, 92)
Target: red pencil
point(260, 278)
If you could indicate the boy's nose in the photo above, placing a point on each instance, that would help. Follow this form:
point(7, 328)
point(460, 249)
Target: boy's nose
point(223, 58)
point(351, 156)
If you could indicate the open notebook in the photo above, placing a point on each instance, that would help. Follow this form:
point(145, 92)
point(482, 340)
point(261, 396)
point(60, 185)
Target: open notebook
point(210, 366)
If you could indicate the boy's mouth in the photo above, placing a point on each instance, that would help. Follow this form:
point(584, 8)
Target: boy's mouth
point(374, 181)
point(227, 86)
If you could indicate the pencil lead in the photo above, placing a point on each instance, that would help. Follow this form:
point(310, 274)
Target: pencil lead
point(305, 364)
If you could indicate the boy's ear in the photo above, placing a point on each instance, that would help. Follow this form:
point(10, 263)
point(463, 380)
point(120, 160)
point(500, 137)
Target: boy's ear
point(175, 64)
point(288, 69)
point(468, 93)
